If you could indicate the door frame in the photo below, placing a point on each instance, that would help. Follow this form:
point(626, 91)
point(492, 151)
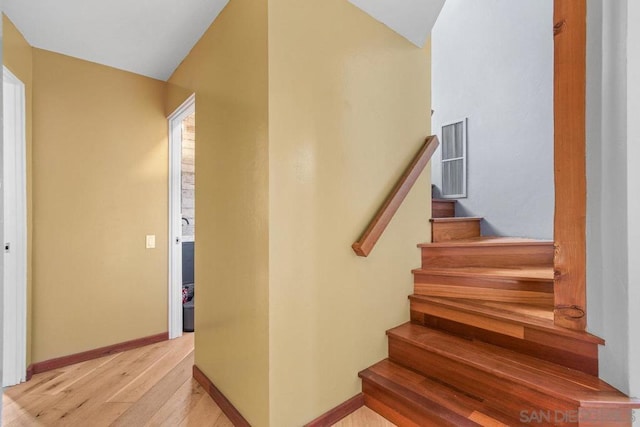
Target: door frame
point(175, 120)
point(15, 297)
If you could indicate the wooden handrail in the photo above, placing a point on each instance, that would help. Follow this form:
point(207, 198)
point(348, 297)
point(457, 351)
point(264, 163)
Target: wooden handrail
point(367, 241)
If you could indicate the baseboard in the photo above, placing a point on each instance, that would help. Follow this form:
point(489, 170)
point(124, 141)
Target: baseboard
point(59, 362)
point(334, 415)
point(227, 407)
point(29, 372)
point(327, 419)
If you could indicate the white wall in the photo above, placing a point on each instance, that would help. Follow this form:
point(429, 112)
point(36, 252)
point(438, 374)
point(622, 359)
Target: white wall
point(607, 208)
point(493, 63)
point(613, 186)
point(595, 274)
point(633, 193)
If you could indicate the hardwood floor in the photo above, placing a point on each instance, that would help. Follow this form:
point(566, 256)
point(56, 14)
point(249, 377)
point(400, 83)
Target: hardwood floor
point(148, 386)
point(364, 417)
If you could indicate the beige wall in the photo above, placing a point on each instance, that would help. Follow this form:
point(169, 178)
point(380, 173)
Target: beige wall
point(304, 126)
point(99, 186)
point(77, 202)
point(349, 105)
point(227, 70)
point(18, 59)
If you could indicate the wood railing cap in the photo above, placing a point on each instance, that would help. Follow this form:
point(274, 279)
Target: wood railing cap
point(378, 224)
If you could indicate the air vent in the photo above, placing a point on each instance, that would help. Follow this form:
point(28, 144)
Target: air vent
point(454, 160)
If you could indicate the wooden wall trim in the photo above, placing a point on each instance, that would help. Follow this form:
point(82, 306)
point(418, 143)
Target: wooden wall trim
point(379, 223)
point(570, 29)
point(334, 415)
point(225, 405)
point(71, 359)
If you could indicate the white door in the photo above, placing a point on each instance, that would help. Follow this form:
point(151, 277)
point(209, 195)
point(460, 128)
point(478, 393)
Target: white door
point(175, 214)
point(15, 232)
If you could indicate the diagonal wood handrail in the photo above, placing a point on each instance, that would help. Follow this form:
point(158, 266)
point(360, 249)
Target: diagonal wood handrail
point(367, 241)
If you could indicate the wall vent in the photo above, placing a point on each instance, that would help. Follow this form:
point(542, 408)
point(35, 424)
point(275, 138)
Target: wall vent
point(454, 159)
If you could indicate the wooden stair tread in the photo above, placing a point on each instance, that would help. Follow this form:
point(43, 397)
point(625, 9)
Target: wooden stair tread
point(543, 376)
point(507, 311)
point(528, 311)
point(488, 241)
point(456, 219)
point(524, 273)
point(417, 388)
point(535, 317)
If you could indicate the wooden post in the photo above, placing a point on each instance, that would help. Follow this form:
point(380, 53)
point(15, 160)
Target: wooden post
point(570, 29)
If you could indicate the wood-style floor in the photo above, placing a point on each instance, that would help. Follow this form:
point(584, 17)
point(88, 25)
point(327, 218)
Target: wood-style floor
point(364, 417)
point(148, 386)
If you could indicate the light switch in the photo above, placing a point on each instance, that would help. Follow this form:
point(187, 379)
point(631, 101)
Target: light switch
point(151, 241)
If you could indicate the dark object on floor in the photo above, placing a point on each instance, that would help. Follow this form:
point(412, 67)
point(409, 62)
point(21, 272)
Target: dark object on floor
point(187, 307)
point(187, 316)
point(188, 251)
point(187, 286)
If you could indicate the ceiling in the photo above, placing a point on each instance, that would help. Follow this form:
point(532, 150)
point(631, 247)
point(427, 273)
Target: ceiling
point(412, 19)
point(148, 37)
point(152, 37)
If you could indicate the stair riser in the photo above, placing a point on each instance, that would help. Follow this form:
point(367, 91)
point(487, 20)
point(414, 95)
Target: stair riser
point(487, 289)
point(403, 413)
point(581, 355)
point(488, 256)
point(557, 349)
point(506, 283)
point(507, 328)
point(533, 285)
point(437, 393)
point(446, 231)
point(441, 209)
point(495, 392)
point(486, 294)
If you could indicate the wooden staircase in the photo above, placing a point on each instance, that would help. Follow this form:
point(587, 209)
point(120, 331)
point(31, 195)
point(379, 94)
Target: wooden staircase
point(482, 348)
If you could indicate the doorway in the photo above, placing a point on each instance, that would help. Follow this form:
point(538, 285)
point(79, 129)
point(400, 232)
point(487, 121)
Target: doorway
point(14, 186)
point(181, 218)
